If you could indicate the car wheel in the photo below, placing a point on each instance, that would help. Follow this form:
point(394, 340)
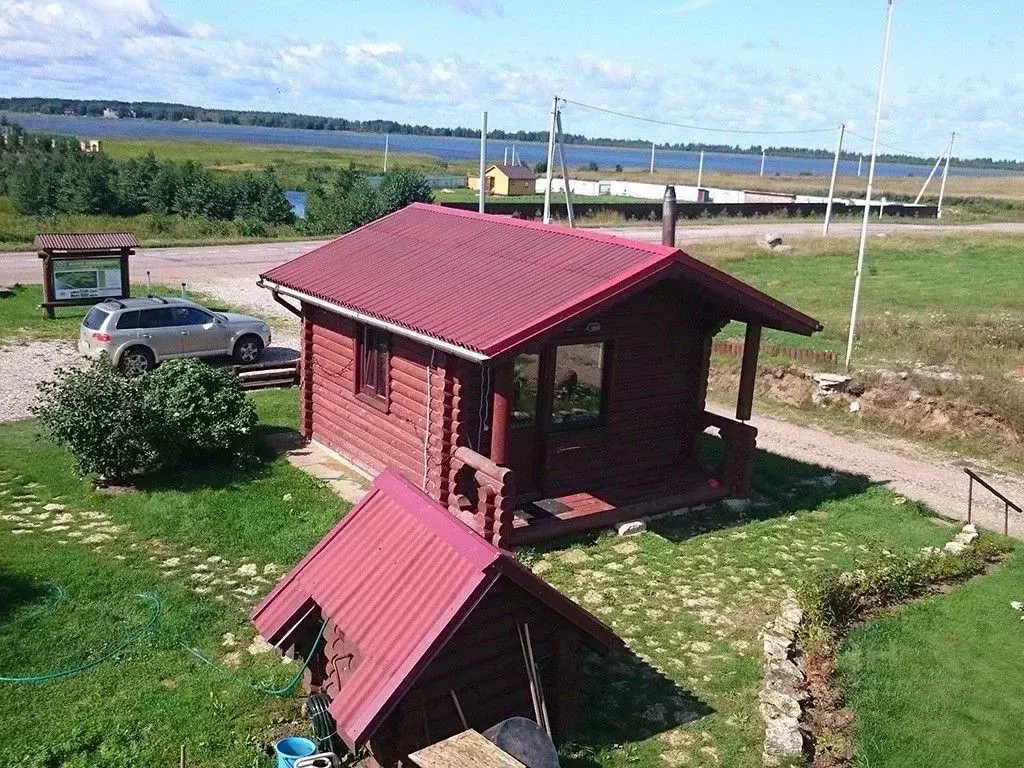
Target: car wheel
point(248, 350)
point(137, 360)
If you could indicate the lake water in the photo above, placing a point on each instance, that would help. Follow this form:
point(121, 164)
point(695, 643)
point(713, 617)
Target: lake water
point(455, 149)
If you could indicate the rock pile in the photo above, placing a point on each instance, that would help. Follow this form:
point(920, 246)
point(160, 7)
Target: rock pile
point(785, 686)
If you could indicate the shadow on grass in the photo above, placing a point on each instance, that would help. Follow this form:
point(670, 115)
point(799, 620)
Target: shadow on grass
point(17, 591)
point(626, 700)
point(195, 475)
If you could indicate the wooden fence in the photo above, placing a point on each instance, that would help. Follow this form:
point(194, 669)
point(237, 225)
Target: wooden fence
point(735, 349)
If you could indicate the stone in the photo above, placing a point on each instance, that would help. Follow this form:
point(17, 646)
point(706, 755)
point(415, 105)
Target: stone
point(969, 528)
point(776, 704)
point(773, 239)
point(249, 569)
point(855, 406)
point(229, 641)
point(1017, 605)
point(955, 547)
point(776, 647)
point(631, 528)
point(829, 383)
point(782, 741)
point(286, 497)
point(53, 507)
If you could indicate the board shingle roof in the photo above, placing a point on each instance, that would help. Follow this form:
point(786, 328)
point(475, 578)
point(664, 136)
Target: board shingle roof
point(85, 241)
point(397, 576)
point(492, 284)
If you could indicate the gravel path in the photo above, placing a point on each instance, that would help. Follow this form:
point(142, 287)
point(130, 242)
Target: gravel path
point(23, 366)
point(918, 473)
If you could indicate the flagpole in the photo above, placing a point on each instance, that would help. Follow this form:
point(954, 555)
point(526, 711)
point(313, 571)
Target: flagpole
point(871, 179)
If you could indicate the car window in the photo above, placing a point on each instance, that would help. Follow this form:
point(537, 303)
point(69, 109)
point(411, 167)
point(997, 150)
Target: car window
point(156, 318)
point(191, 316)
point(128, 320)
point(95, 318)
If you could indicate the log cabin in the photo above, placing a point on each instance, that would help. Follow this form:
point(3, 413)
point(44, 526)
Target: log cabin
point(535, 379)
point(417, 628)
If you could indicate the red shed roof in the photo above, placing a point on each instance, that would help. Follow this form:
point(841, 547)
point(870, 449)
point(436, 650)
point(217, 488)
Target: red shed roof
point(491, 284)
point(85, 241)
point(515, 171)
point(397, 576)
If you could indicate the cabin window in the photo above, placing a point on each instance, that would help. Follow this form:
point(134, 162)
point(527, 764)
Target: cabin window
point(580, 385)
point(372, 374)
point(524, 397)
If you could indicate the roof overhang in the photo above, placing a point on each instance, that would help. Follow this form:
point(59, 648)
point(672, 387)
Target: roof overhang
point(376, 322)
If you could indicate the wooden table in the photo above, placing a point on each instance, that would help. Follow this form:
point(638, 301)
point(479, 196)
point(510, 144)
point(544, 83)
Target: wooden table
point(464, 750)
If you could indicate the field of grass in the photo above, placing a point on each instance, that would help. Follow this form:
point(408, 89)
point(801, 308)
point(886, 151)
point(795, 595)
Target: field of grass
point(22, 320)
point(938, 683)
point(290, 163)
point(72, 567)
point(470, 196)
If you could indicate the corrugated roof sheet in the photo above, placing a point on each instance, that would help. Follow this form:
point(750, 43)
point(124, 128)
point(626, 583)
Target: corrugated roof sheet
point(492, 283)
point(85, 241)
point(397, 576)
point(516, 171)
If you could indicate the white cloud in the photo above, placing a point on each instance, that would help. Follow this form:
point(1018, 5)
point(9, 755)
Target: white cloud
point(130, 49)
point(692, 5)
point(478, 8)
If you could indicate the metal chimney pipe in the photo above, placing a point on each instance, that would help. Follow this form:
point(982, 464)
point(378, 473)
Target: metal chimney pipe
point(668, 217)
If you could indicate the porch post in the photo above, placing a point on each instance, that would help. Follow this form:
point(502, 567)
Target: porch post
point(501, 412)
point(748, 373)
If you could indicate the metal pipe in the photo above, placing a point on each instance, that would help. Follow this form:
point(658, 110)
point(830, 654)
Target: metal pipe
point(565, 173)
point(938, 162)
point(652, 157)
point(551, 161)
point(832, 186)
point(945, 175)
point(668, 217)
point(700, 169)
point(763, 155)
point(483, 164)
point(430, 341)
point(970, 497)
point(871, 180)
point(387, 137)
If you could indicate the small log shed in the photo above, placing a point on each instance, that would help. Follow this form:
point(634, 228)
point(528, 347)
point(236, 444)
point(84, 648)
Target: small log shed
point(420, 611)
point(536, 380)
point(88, 256)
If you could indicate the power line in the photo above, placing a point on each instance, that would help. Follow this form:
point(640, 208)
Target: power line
point(696, 127)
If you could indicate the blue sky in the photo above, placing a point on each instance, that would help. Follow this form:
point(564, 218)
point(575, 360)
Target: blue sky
point(761, 65)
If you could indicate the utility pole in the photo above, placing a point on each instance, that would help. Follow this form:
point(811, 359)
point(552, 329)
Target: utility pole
point(483, 163)
point(505, 161)
point(551, 161)
point(386, 137)
point(871, 179)
point(652, 157)
point(860, 165)
point(945, 175)
point(565, 173)
point(832, 186)
point(764, 152)
point(700, 169)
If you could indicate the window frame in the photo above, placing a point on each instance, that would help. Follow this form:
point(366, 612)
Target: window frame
point(607, 363)
point(377, 395)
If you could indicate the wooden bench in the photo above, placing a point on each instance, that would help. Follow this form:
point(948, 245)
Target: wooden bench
point(464, 750)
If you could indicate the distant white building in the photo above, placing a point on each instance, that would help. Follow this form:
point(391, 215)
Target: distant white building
point(110, 114)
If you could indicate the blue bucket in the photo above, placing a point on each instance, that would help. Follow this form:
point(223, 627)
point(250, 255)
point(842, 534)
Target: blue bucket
point(290, 749)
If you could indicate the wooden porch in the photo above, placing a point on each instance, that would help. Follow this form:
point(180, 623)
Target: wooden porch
point(485, 496)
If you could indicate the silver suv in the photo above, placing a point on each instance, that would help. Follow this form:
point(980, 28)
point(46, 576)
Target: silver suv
point(139, 333)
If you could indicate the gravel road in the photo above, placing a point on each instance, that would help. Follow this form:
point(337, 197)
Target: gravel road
point(918, 473)
point(23, 366)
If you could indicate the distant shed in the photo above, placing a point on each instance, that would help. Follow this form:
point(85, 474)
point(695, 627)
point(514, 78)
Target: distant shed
point(506, 180)
point(419, 607)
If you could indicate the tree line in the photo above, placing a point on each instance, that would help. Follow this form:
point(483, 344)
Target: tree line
point(45, 175)
point(154, 110)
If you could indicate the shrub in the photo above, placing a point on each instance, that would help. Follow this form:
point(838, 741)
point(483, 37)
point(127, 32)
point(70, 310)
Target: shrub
point(120, 427)
point(203, 412)
point(103, 419)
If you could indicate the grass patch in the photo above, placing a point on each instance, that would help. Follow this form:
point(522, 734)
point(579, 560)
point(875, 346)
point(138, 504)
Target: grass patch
point(938, 682)
point(208, 544)
point(690, 597)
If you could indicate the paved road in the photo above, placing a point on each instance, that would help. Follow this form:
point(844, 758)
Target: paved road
point(918, 473)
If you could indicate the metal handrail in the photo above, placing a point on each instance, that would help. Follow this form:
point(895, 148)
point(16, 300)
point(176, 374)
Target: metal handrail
point(1007, 504)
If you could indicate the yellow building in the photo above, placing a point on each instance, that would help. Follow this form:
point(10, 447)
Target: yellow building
point(506, 180)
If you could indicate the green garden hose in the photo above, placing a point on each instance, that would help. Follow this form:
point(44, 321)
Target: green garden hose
point(130, 639)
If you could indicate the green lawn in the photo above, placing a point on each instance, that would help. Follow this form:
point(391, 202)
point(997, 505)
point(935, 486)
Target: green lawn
point(207, 544)
point(939, 683)
point(470, 196)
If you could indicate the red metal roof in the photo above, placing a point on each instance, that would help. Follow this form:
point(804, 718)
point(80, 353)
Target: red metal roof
point(85, 241)
point(515, 171)
point(397, 576)
point(492, 284)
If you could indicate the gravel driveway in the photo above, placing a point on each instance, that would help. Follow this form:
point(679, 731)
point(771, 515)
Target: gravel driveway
point(23, 366)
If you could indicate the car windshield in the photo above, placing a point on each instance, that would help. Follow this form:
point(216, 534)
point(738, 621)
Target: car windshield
point(95, 318)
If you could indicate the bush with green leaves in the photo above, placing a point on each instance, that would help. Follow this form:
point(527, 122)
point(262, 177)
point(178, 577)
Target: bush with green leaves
point(835, 601)
point(120, 427)
point(103, 418)
point(204, 413)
